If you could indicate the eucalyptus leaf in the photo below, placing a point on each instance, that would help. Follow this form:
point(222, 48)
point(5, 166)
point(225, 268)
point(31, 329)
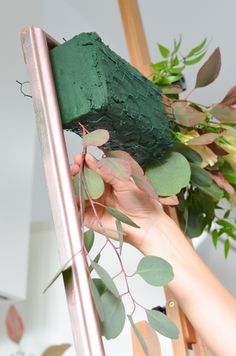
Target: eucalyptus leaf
point(188, 152)
point(139, 336)
point(96, 259)
point(89, 239)
point(114, 315)
point(171, 176)
point(121, 217)
point(101, 287)
point(96, 138)
point(196, 222)
point(204, 139)
point(120, 234)
point(76, 185)
point(97, 300)
point(136, 169)
point(94, 183)
point(224, 112)
point(230, 97)
point(145, 185)
point(162, 324)
point(59, 272)
point(116, 167)
point(105, 277)
point(210, 70)
point(155, 270)
point(213, 191)
point(199, 176)
point(187, 115)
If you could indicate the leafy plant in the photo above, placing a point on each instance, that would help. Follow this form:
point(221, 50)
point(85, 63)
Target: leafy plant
point(205, 136)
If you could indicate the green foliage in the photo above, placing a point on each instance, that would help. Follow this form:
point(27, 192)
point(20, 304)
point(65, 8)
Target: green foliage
point(94, 183)
point(155, 270)
point(187, 152)
point(226, 248)
point(199, 176)
point(105, 277)
point(121, 217)
point(114, 315)
point(97, 299)
point(139, 336)
point(186, 115)
point(120, 234)
point(96, 138)
point(89, 239)
point(162, 324)
point(210, 70)
point(169, 71)
point(171, 176)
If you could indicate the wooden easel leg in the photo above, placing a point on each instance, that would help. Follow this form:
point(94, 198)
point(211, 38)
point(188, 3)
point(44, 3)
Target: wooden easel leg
point(140, 58)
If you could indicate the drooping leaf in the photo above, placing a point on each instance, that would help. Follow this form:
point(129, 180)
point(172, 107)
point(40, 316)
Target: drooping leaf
point(196, 222)
point(162, 324)
point(121, 217)
point(145, 185)
point(115, 167)
point(210, 70)
point(14, 325)
point(105, 277)
point(224, 112)
point(97, 300)
point(101, 287)
point(155, 270)
point(222, 182)
point(230, 97)
point(94, 183)
point(213, 191)
point(171, 176)
point(120, 234)
point(56, 350)
point(204, 139)
point(139, 336)
point(188, 152)
point(96, 259)
point(163, 50)
point(195, 60)
point(59, 272)
point(226, 248)
point(136, 169)
point(89, 239)
point(186, 115)
point(200, 176)
point(96, 138)
point(114, 315)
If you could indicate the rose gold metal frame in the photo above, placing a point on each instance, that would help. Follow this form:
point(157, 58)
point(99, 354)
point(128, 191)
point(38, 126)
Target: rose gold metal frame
point(85, 326)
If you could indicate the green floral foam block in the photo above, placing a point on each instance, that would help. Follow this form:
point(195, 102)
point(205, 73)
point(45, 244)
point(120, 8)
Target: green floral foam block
point(98, 88)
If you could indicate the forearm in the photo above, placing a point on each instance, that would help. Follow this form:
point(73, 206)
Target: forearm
point(208, 305)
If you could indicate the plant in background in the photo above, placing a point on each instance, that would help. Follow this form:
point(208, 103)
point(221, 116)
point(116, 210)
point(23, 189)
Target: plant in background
point(15, 331)
point(205, 136)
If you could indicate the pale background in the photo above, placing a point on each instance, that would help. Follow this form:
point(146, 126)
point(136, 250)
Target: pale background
point(28, 255)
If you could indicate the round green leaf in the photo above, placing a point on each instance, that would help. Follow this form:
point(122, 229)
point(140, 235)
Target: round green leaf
point(114, 315)
point(94, 183)
point(162, 324)
point(155, 270)
point(96, 138)
point(171, 176)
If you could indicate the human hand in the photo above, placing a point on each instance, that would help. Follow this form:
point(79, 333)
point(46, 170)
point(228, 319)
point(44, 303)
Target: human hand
point(125, 196)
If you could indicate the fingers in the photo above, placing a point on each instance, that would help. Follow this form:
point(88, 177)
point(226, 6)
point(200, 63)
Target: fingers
point(117, 184)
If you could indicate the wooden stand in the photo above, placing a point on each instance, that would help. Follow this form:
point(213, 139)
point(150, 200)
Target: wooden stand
point(140, 58)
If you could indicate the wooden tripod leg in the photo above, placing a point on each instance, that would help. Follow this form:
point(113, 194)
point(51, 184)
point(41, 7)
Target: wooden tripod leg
point(150, 337)
point(139, 57)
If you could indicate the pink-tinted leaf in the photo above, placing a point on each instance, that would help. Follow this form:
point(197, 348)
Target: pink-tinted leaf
point(210, 70)
point(204, 139)
point(222, 182)
point(230, 97)
point(224, 112)
point(115, 167)
point(171, 90)
point(136, 169)
point(56, 350)
point(145, 185)
point(14, 325)
point(96, 138)
point(186, 115)
point(173, 200)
